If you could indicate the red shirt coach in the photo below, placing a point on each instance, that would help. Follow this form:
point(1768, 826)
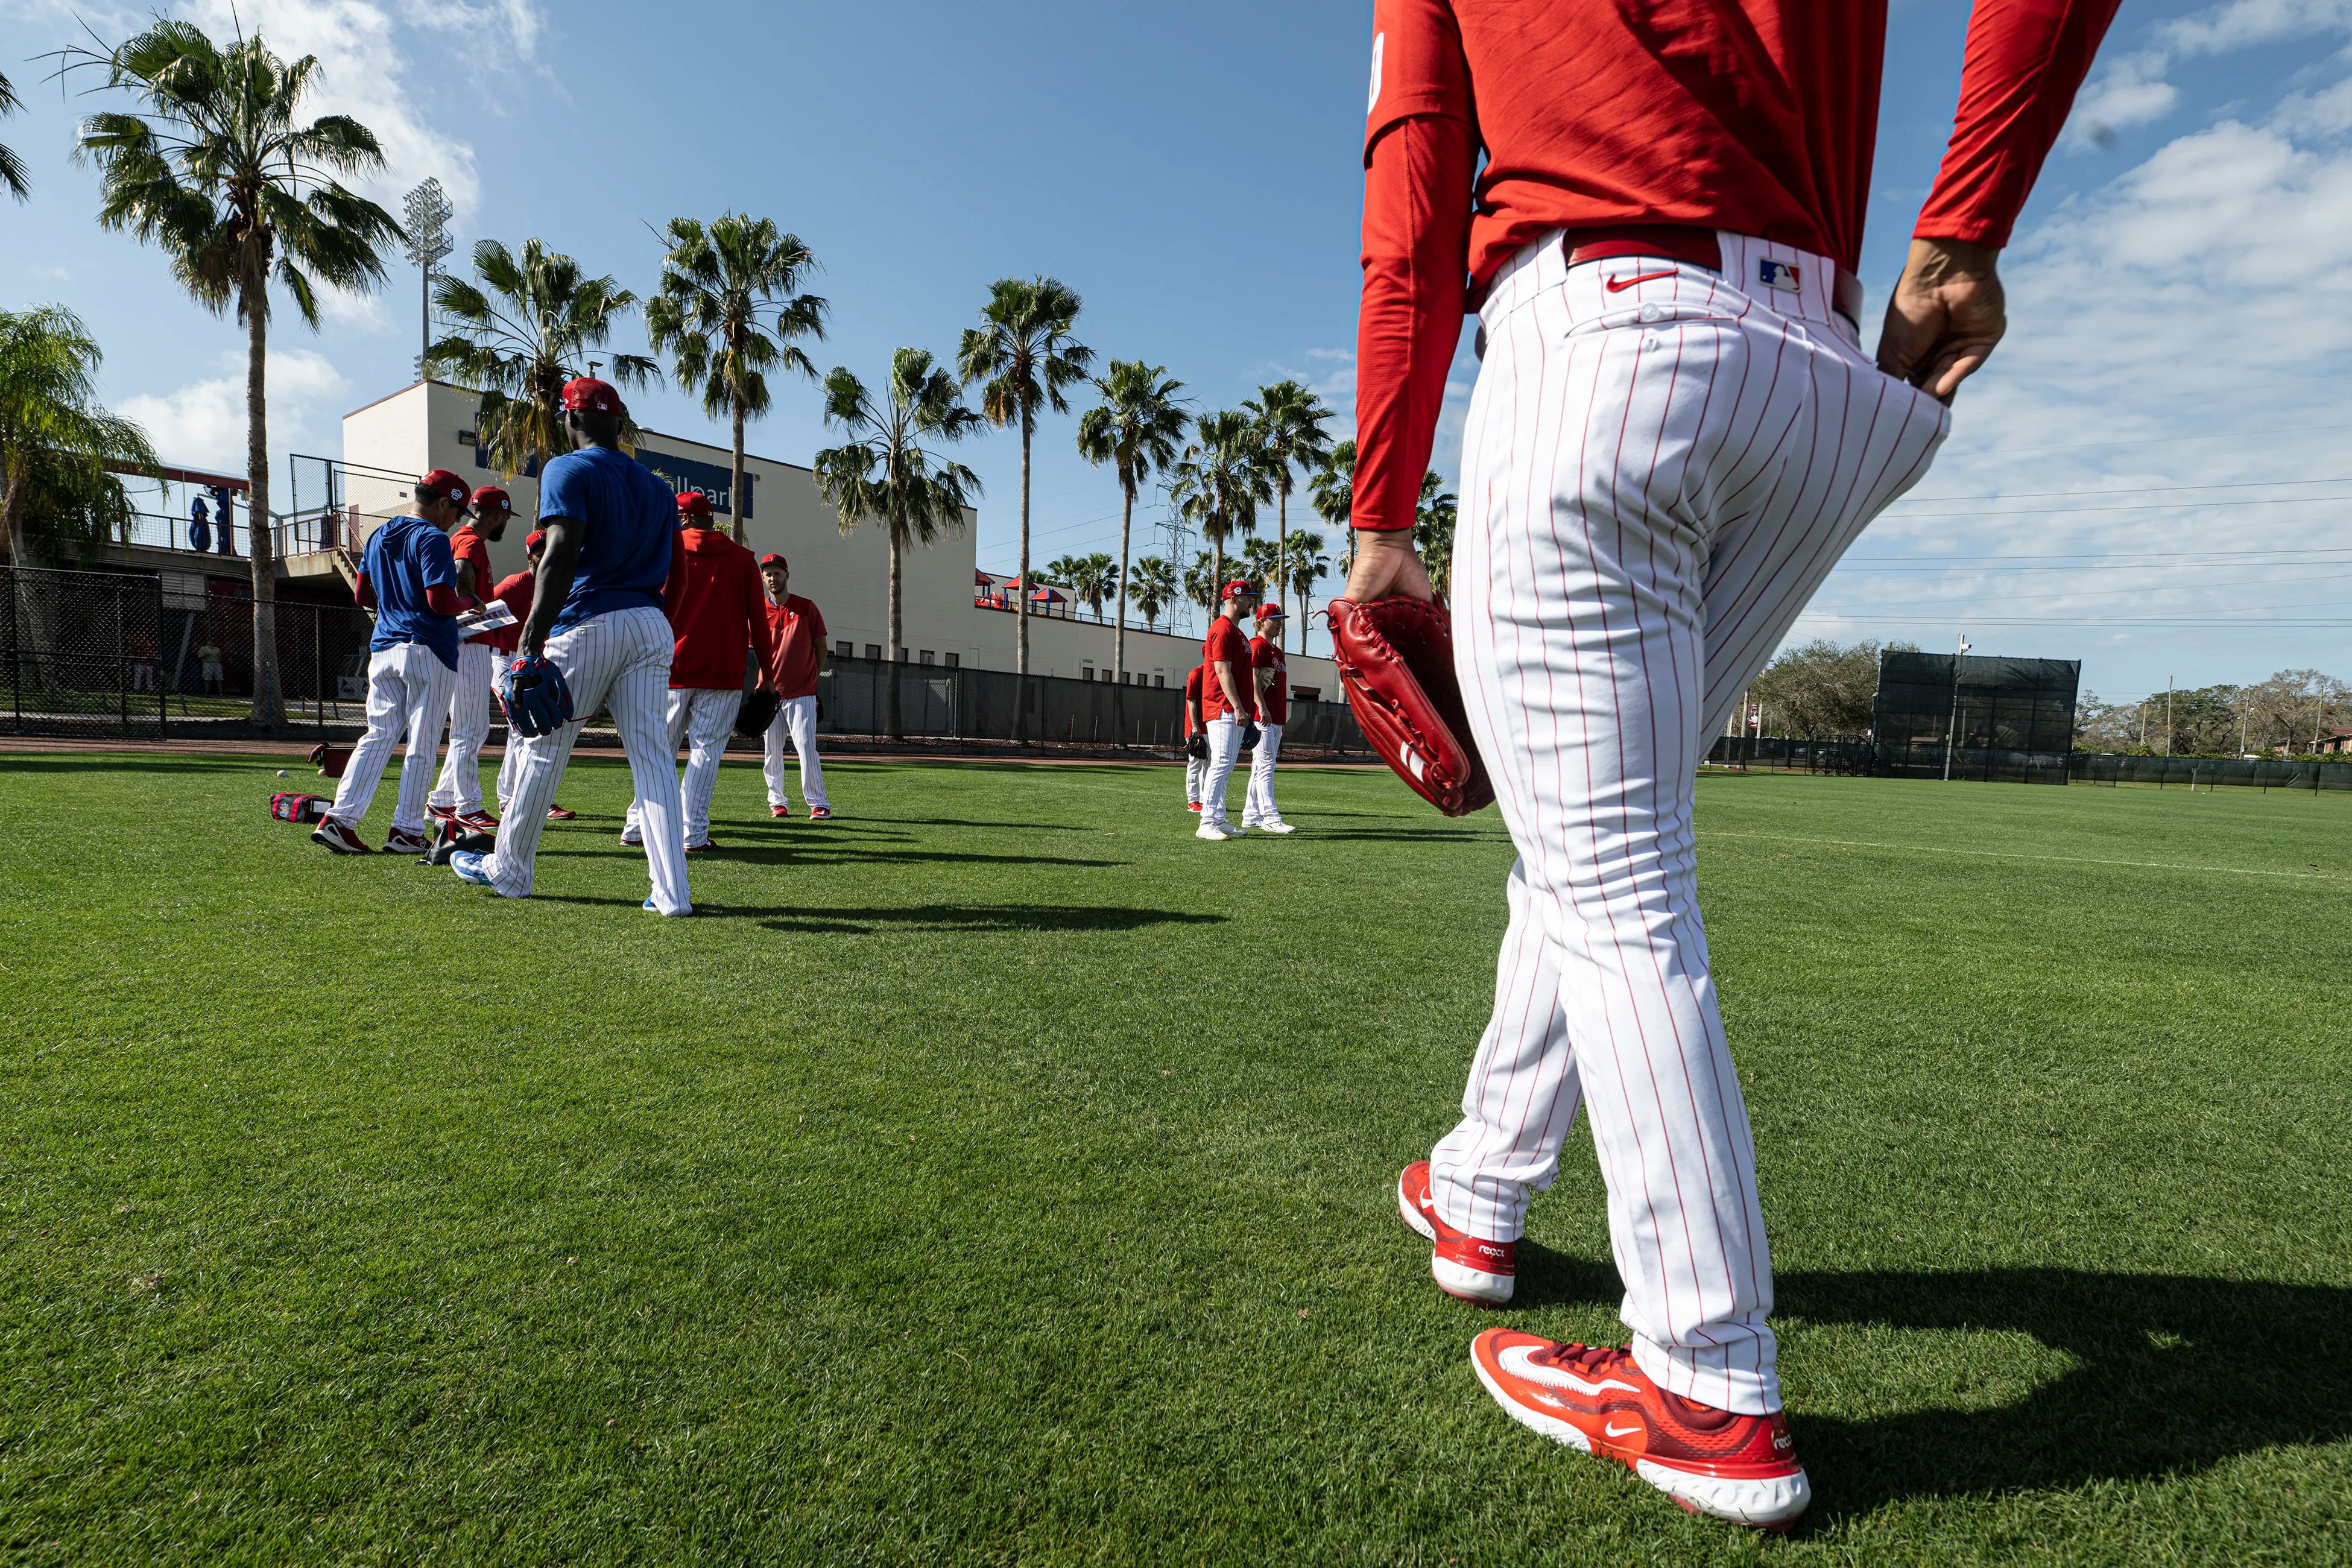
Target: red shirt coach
point(716, 605)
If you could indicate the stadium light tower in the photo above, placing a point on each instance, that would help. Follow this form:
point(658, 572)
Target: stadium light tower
point(425, 214)
point(1952, 732)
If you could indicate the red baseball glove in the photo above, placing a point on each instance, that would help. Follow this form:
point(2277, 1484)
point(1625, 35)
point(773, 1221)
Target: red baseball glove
point(1396, 658)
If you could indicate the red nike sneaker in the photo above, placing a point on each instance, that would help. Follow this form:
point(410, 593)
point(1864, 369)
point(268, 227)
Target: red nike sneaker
point(1195, 806)
point(340, 839)
point(403, 842)
point(477, 822)
point(779, 811)
point(1464, 1265)
point(557, 813)
point(1740, 1467)
point(820, 813)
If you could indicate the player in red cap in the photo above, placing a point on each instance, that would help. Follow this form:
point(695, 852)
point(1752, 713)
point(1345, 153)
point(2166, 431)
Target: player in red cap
point(1196, 743)
point(409, 579)
point(596, 637)
point(1272, 673)
point(458, 795)
point(1228, 703)
point(799, 627)
point(1656, 209)
point(718, 613)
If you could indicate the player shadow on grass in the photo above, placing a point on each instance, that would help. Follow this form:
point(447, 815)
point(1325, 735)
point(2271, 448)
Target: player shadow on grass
point(975, 917)
point(2171, 1373)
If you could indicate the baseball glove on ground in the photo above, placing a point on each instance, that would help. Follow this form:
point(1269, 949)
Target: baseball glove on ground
point(1396, 658)
point(533, 693)
point(759, 712)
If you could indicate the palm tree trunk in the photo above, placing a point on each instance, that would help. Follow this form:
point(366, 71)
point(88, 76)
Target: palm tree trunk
point(892, 724)
point(1020, 613)
point(1282, 543)
point(737, 496)
point(268, 710)
point(1119, 637)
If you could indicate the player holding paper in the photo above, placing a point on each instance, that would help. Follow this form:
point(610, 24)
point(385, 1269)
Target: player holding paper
point(407, 577)
point(596, 637)
point(1675, 435)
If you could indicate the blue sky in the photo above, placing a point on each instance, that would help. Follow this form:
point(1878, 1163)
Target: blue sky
point(2178, 309)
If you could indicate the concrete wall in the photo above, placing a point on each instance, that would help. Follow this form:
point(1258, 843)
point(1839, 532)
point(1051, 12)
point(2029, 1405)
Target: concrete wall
point(847, 575)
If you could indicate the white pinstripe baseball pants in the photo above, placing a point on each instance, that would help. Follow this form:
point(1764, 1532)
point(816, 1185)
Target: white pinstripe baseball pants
point(702, 717)
point(1655, 481)
point(619, 659)
point(1225, 733)
point(460, 785)
point(1257, 801)
point(408, 689)
point(1196, 774)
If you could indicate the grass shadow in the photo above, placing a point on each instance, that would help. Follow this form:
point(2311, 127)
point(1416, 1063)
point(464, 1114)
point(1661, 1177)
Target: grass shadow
point(2171, 1373)
point(976, 918)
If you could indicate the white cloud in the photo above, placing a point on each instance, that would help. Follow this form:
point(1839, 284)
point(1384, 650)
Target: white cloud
point(2130, 91)
point(202, 425)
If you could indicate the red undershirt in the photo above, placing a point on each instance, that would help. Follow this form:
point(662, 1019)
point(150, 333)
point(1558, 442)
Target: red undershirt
point(1756, 116)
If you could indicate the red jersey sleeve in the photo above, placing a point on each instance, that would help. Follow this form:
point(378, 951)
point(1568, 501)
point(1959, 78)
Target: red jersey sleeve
point(2025, 61)
point(1421, 149)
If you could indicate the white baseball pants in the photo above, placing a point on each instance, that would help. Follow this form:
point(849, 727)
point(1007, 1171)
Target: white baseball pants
point(701, 719)
point(507, 759)
point(1655, 481)
point(1224, 750)
point(408, 689)
point(619, 659)
point(460, 785)
point(1258, 803)
point(1196, 774)
point(795, 721)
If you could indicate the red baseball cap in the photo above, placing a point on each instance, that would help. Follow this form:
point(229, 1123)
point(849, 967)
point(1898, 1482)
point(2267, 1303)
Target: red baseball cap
point(773, 559)
point(492, 498)
point(1270, 611)
point(444, 483)
point(693, 503)
point(1239, 588)
point(589, 393)
point(533, 539)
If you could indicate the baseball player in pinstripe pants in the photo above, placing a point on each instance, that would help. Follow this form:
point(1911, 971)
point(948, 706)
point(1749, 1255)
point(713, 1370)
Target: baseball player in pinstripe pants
point(1674, 434)
point(596, 616)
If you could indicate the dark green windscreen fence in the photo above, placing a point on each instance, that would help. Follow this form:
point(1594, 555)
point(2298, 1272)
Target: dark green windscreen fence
point(2005, 720)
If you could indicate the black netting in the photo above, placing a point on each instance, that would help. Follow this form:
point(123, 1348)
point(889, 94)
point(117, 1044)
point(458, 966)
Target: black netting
point(2008, 720)
point(2209, 772)
point(84, 653)
point(937, 703)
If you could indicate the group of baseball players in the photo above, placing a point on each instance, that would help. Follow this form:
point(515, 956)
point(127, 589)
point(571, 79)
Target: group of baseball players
point(1655, 210)
point(1236, 699)
point(634, 603)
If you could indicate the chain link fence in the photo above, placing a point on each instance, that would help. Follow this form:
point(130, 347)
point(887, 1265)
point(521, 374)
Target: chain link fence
point(936, 702)
point(2306, 776)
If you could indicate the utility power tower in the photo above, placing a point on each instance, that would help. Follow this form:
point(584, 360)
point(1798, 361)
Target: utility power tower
point(425, 214)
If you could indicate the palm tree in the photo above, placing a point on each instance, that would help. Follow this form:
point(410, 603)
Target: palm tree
point(1096, 579)
point(1432, 530)
point(1221, 479)
point(1024, 354)
point(55, 439)
point(215, 168)
point(11, 167)
point(1137, 426)
point(1290, 433)
point(892, 469)
point(1203, 579)
point(716, 281)
point(1333, 489)
point(1153, 584)
point(518, 344)
point(1261, 563)
point(1306, 567)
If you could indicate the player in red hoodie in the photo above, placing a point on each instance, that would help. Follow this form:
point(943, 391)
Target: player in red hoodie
point(720, 613)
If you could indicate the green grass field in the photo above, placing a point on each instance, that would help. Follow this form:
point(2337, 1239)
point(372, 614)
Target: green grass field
point(998, 1174)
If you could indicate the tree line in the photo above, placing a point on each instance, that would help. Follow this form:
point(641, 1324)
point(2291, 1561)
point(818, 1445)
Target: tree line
point(212, 162)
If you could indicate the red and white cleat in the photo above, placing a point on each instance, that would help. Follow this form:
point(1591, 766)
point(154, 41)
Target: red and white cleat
point(477, 822)
point(779, 811)
point(1462, 1264)
point(1740, 1467)
point(339, 838)
point(557, 813)
point(705, 848)
point(441, 813)
point(820, 813)
point(402, 842)
point(1194, 806)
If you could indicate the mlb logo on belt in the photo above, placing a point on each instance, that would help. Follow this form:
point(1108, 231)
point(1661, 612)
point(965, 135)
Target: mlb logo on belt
point(1780, 275)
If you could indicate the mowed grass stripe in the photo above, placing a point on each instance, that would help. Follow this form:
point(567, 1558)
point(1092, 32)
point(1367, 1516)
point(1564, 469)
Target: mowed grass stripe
point(1000, 1175)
